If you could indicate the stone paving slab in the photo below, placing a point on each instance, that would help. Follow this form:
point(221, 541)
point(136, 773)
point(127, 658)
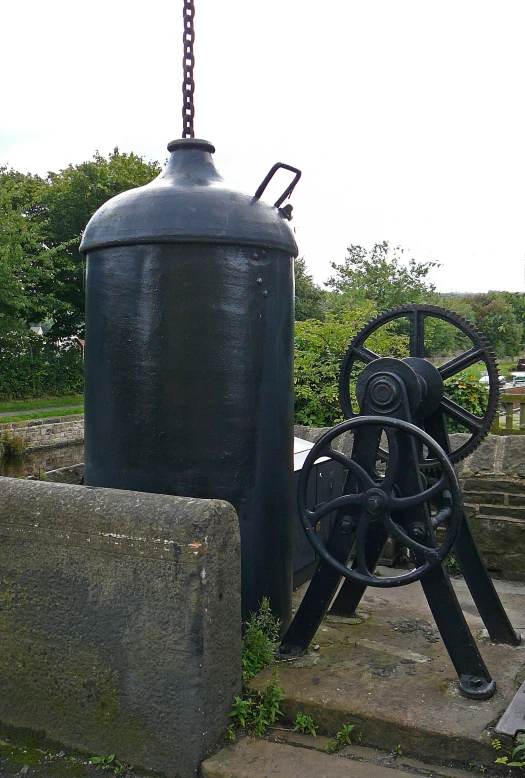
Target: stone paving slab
point(373, 756)
point(255, 758)
point(388, 673)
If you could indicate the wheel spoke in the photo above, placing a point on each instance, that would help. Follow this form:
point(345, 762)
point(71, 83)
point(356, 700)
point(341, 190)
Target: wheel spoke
point(417, 334)
point(365, 354)
point(461, 362)
point(349, 463)
point(396, 531)
point(461, 415)
point(333, 505)
point(401, 503)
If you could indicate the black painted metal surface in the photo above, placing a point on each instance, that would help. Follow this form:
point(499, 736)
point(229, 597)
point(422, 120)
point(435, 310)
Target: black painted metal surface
point(325, 483)
point(189, 356)
point(393, 491)
point(188, 203)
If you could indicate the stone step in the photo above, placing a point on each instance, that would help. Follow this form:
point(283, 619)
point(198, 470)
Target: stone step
point(386, 672)
point(258, 758)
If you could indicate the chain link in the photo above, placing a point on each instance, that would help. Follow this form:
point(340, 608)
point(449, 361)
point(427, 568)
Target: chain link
point(188, 63)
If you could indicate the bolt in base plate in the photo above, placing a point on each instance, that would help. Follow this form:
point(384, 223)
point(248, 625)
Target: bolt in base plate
point(476, 687)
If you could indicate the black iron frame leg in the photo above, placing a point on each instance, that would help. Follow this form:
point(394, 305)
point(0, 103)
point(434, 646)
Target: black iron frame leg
point(351, 592)
point(475, 680)
point(311, 611)
point(482, 588)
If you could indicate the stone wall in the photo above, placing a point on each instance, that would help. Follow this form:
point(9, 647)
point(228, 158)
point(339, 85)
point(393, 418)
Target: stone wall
point(493, 483)
point(120, 621)
point(44, 433)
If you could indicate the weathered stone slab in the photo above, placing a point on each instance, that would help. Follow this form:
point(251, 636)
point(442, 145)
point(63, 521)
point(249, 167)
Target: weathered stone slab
point(310, 433)
point(259, 759)
point(119, 620)
point(514, 456)
point(485, 458)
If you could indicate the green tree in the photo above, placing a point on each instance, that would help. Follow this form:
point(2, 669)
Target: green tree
point(41, 225)
point(69, 200)
point(380, 275)
point(319, 349)
point(309, 298)
point(517, 302)
point(496, 319)
point(460, 304)
point(23, 264)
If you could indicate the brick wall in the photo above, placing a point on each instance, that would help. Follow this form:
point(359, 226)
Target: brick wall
point(43, 433)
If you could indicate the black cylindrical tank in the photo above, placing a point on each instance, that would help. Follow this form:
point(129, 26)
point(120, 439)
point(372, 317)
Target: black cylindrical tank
point(189, 355)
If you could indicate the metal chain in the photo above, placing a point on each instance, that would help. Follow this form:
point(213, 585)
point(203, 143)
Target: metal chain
point(188, 63)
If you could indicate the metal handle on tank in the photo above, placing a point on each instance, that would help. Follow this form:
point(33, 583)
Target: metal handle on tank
point(289, 189)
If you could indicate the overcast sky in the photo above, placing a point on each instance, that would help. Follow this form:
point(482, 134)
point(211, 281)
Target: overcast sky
point(406, 116)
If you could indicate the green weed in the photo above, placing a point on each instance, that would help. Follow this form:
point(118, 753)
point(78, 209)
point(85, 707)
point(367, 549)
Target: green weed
point(230, 733)
point(12, 446)
point(452, 564)
point(257, 710)
point(516, 757)
point(305, 724)
point(110, 763)
point(344, 734)
point(261, 632)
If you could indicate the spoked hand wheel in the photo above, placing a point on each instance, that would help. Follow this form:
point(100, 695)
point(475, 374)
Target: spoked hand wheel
point(407, 518)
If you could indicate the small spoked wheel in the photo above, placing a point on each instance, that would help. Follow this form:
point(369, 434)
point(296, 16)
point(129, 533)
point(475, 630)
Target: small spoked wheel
point(378, 499)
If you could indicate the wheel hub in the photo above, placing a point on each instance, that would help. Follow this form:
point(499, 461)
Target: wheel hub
point(375, 502)
point(384, 391)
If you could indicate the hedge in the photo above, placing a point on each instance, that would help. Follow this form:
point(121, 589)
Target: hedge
point(34, 366)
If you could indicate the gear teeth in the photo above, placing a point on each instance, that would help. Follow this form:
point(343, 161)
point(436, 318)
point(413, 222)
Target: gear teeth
point(467, 328)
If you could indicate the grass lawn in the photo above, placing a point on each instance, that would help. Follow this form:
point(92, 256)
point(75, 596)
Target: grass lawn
point(506, 368)
point(479, 368)
point(42, 415)
point(17, 406)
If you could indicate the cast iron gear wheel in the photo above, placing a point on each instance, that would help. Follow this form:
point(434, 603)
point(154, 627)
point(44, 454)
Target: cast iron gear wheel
point(480, 351)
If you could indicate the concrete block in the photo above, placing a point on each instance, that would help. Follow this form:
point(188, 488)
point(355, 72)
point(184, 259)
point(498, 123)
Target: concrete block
point(120, 625)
